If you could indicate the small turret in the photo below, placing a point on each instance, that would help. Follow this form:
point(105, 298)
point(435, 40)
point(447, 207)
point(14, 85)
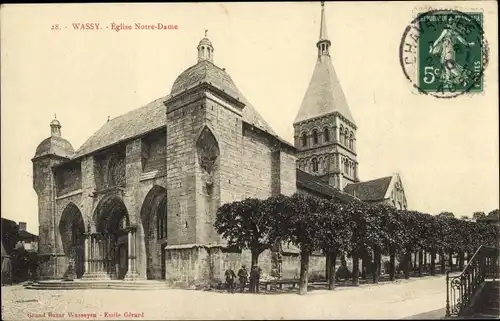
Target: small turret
point(55, 144)
point(205, 49)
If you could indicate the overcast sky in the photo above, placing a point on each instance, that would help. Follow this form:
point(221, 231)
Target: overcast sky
point(445, 150)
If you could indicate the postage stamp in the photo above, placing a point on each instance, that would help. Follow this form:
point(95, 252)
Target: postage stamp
point(443, 53)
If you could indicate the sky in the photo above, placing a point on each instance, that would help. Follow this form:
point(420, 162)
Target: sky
point(446, 150)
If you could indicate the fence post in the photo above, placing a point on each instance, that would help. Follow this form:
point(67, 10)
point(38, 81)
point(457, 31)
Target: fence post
point(447, 294)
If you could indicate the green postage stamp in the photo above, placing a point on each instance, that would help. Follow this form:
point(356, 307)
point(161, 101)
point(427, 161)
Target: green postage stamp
point(443, 53)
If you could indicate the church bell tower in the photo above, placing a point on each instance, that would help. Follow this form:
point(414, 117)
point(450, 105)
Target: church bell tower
point(324, 129)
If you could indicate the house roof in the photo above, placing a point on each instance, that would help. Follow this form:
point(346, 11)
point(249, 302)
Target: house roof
point(27, 236)
point(373, 190)
point(153, 115)
point(316, 184)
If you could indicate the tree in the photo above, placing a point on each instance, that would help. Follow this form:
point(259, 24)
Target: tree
point(446, 214)
point(478, 215)
point(494, 214)
point(250, 224)
point(465, 218)
point(304, 228)
point(334, 237)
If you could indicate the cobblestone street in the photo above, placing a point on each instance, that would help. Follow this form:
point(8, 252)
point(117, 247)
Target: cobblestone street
point(401, 299)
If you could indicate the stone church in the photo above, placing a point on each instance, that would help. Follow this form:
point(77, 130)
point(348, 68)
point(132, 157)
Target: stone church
point(139, 198)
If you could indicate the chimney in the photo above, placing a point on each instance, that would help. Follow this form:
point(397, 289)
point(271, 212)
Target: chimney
point(22, 226)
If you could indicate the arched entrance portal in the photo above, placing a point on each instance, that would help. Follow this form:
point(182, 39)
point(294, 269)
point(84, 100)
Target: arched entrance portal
point(72, 231)
point(154, 223)
point(112, 223)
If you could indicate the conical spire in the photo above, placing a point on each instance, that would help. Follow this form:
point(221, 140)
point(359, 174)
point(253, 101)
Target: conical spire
point(324, 95)
point(323, 32)
point(323, 43)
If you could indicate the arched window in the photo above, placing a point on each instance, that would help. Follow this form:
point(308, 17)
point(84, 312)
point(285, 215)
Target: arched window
point(346, 167)
point(351, 140)
point(304, 139)
point(320, 165)
point(315, 136)
point(341, 135)
point(326, 134)
point(346, 137)
point(314, 163)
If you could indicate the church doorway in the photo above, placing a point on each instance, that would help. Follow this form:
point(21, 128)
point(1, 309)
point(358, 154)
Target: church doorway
point(72, 231)
point(154, 223)
point(113, 224)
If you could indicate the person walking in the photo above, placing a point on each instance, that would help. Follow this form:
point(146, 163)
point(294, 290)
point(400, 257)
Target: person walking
point(230, 277)
point(243, 278)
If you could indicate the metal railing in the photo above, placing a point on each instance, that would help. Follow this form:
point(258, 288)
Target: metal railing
point(461, 288)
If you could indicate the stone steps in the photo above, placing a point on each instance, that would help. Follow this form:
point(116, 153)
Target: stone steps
point(95, 284)
point(487, 305)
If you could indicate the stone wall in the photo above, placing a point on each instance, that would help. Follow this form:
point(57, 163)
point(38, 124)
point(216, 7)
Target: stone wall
point(68, 178)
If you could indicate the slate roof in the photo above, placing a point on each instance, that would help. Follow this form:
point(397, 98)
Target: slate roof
point(373, 190)
point(207, 72)
point(134, 123)
point(316, 184)
point(152, 116)
point(55, 145)
point(324, 94)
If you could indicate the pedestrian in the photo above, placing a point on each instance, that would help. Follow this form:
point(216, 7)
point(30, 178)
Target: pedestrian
point(243, 277)
point(230, 277)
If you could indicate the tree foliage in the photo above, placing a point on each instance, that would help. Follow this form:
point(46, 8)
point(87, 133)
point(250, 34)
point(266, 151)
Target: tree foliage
point(335, 226)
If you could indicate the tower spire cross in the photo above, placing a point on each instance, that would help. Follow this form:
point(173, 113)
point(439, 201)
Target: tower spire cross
point(206, 31)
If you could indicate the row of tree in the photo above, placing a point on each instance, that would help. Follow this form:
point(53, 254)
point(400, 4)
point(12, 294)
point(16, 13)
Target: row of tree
point(354, 229)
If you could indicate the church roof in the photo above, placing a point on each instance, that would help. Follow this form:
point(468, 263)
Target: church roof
point(134, 123)
point(207, 72)
point(54, 145)
point(318, 186)
point(153, 115)
point(324, 94)
point(373, 190)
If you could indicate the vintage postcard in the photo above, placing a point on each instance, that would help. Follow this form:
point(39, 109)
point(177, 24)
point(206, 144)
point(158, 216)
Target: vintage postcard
point(295, 160)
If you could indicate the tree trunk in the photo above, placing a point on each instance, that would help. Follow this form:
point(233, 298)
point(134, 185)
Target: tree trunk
point(392, 264)
point(442, 262)
point(461, 259)
point(304, 272)
point(355, 269)
point(327, 267)
point(255, 257)
point(425, 261)
point(376, 266)
point(406, 264)
point(450, 260)
point(433, 262)
point(420, 262)
point(365, 264)
point(331, 273)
